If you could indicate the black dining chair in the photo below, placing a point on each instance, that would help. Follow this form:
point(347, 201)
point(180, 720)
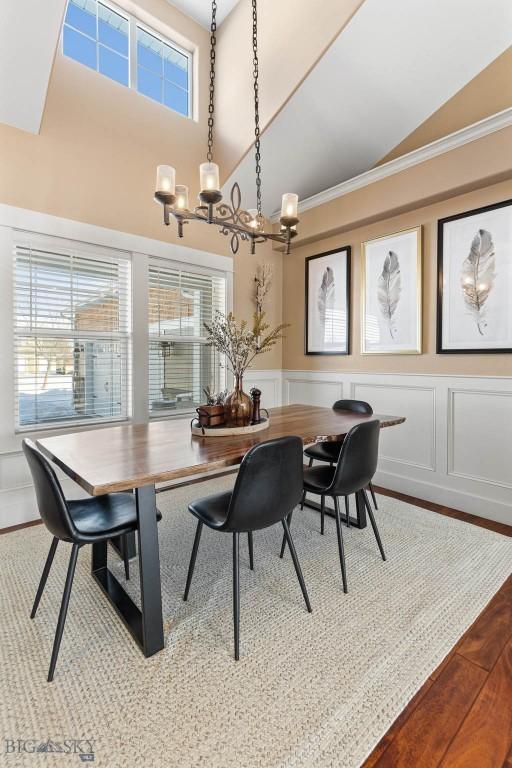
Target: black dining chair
point(356, 465)
point(84, 521)
point(267, 488)
point(330, 451)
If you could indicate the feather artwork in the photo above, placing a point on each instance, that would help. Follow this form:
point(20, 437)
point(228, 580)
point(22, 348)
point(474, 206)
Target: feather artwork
point(389, 288)
point(477, 277)
point(325, 300)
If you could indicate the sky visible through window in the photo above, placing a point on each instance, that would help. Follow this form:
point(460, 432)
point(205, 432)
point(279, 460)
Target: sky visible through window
point(98, 37)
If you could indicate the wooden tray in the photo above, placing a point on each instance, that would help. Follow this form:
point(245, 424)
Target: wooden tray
point(222, 431)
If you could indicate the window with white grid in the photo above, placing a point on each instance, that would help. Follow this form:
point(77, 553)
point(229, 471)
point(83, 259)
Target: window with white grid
point(71, 334)
point(181, 364)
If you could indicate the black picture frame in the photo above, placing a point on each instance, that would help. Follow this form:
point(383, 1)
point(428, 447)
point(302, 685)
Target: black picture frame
point(348, 251)
point(440, 280)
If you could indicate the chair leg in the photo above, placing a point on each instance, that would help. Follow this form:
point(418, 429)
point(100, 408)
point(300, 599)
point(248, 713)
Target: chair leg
point(296, 563)
point(193, 556)
point(251, 551)
point(370, 486)
point(126, 559)
point(236, 593)
point(374, 524)
point(340, 544)
point(302, 500)
point(322, 515)
point(310, 463)
point(63, 610)
point(283, 543)
point(347, 511)
point(44, 577)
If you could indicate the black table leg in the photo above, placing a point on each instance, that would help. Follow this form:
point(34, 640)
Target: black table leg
point(146, 626)
point(359, 522)
point(149, 560)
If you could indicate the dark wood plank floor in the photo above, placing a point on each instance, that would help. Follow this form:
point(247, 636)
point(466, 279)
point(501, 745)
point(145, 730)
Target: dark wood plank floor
point(462, 716)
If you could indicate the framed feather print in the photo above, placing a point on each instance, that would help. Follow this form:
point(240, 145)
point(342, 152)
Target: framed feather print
point(327, 330)
point(474, 262)
point(391, 294)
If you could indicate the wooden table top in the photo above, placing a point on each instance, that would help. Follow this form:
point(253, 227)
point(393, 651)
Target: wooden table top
point(130, 456)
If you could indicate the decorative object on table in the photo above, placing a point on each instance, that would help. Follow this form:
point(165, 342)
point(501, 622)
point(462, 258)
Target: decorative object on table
point(240, 346)
point(256, 405)
point(391, 294)
point(328, 303)
point(231, 219)
point(222, 430)
point(474, 264)
point(212, 414)
point(262, 286)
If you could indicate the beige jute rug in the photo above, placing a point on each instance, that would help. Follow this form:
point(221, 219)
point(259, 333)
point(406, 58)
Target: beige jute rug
point(309, 690)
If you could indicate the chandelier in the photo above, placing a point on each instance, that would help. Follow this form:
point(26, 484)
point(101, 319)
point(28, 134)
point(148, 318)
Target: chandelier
point(231, 218)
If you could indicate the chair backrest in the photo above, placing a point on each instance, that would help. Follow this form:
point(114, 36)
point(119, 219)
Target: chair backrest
point(358, 459)
point(268, 486)
point(357, 406)
point(50, 498)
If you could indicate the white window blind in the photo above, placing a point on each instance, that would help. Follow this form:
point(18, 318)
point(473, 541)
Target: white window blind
point(71, 334)
point(180, 362)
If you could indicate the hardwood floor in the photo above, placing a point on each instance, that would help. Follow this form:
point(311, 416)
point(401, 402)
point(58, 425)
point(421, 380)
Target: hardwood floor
point(462, 716)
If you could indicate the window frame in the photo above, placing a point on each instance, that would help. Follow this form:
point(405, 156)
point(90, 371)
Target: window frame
point(124, 336)
point(201, 271)
point(135, 23)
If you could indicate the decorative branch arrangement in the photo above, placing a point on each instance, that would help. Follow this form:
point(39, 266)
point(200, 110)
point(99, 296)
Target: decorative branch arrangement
point(238, 342)
point(262, 285)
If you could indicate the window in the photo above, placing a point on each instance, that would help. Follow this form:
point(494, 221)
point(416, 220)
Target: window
point(180, 362)
point(71, 335)
point(116, 44)
point(162, 72)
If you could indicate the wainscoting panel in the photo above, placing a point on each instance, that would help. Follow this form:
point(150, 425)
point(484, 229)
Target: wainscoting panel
point(455, 447)
point(325, 393)
point(417, 404)
point(480, 436)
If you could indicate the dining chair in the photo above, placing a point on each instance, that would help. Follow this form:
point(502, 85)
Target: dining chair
point(267, 488)
point(84, 521)
point(330, 451)
point(356, 465)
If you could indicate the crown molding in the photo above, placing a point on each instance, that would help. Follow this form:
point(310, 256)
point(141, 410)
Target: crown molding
point(452, 141)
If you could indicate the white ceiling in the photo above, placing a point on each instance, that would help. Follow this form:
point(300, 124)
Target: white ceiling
point(201, 10)
point(29, 31)
point(395, 64)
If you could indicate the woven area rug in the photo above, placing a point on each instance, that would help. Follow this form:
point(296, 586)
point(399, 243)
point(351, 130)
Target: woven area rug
point(309, 690)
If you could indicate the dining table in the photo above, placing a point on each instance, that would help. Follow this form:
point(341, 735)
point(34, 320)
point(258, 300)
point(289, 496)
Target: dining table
point(137, 457)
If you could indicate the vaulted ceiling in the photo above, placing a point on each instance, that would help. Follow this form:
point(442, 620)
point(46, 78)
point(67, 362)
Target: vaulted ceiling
point(394, 64)
point(345, 84)
point(200, 10)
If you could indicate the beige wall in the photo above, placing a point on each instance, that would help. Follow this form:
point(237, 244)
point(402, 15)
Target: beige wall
point(429, 362)
point(96, 155)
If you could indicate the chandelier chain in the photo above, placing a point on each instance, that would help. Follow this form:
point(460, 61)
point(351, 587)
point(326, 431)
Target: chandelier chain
point(211, 106)
point(257, 152)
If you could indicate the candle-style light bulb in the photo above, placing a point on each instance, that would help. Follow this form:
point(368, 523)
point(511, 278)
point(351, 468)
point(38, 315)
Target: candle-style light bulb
point(289, 206)
point(254, 222)
point(209, 177)
point(165, 180)
point(181, 197)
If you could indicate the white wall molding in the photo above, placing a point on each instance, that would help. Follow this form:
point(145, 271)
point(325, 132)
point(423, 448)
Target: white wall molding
point(448, 143)
point(455, 444)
